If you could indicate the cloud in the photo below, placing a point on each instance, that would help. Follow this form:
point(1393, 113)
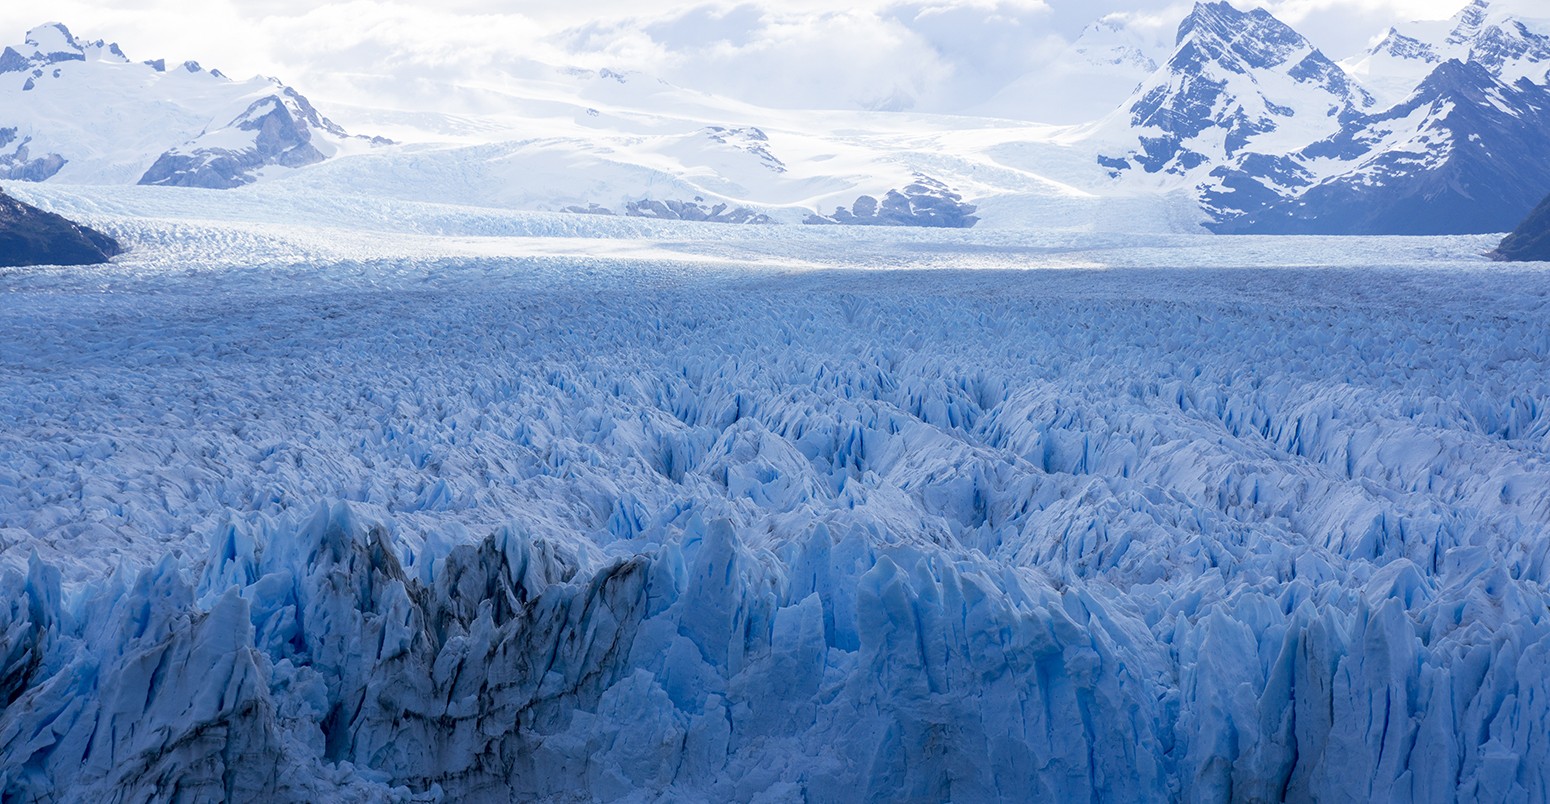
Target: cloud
point(891, 56)
point(883, 54)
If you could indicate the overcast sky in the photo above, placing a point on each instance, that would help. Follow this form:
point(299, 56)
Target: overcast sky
point(763, 51)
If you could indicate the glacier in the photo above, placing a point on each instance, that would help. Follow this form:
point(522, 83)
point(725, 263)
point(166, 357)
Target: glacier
point(315, 499)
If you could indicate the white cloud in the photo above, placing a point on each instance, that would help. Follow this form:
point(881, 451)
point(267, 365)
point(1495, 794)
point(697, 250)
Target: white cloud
point(879, 53)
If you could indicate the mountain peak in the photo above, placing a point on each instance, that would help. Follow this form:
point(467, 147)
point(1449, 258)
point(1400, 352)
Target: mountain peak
point(1454, 78)
point(1401, 46)
point(1239, 83)
point(51, 38)
point(1210, 18)
point(1239, 41)
point(71, 103)
point(1468, 22)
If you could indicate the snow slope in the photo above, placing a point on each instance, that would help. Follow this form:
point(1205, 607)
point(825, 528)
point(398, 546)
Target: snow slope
point(1510, 38)
point(81, 112)
point(1273, 137)
point(1092, 76)
point(333, 499)
point(1236, 122)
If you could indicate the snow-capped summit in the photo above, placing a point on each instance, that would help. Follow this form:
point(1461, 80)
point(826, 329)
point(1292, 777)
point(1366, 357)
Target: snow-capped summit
point(280, 129)
point(1272, 136)
point(1509, 40)
point(1090, 77)
point(81, 111)
point(51, 44)
point(1238, 81)
point(1115, 40)
point(47, 44)
point(1463, 154)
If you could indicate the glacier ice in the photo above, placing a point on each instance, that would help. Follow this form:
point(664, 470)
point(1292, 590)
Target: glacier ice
point(689, 527)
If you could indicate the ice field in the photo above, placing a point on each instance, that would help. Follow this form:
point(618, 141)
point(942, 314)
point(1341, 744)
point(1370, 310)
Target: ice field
point(333, 499)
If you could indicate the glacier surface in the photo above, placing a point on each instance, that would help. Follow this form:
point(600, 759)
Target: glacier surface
point(321, 500)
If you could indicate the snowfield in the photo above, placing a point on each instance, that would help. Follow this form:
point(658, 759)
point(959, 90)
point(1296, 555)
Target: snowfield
point(327, 498)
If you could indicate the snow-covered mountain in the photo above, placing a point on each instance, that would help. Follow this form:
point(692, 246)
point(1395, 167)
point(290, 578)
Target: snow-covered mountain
point(553, 139)
point(1237, 121)
point(1238, 83)
point(1274, 137)
point(83, 112)
point(1511, 41)
point(1464, 154)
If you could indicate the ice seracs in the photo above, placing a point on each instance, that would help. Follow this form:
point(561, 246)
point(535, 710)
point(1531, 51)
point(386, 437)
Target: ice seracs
point(747, 513)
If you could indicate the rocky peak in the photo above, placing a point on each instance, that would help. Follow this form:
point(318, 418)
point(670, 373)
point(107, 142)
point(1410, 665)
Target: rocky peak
point(1455, 78)
point(1219, 35)
point(1400, 46)
point(53, 39)
point(1468, 22)
point(1243, 71)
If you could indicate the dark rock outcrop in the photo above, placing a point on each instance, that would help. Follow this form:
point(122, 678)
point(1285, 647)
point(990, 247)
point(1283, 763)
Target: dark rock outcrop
point(673, 210)
point(1530, 242)
point(30, 236)
point(18, 164)
point(924, 202)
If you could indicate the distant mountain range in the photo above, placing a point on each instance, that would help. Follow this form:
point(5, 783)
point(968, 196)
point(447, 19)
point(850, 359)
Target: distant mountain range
point(1439, 128)
point(1274, 137)
point(84, 111)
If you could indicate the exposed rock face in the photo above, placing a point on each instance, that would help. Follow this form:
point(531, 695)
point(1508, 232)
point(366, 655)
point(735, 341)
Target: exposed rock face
point(1530, 242)
point(924, 202)
point(72, 105)
point(30, 236)
point(20, 165)
point(750, 140)
point(1471, 160)
point(1233, 76)
point(280, 128)
point(673, 210)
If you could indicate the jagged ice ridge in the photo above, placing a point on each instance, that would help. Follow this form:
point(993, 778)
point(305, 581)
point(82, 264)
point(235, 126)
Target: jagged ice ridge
point(581, 528)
